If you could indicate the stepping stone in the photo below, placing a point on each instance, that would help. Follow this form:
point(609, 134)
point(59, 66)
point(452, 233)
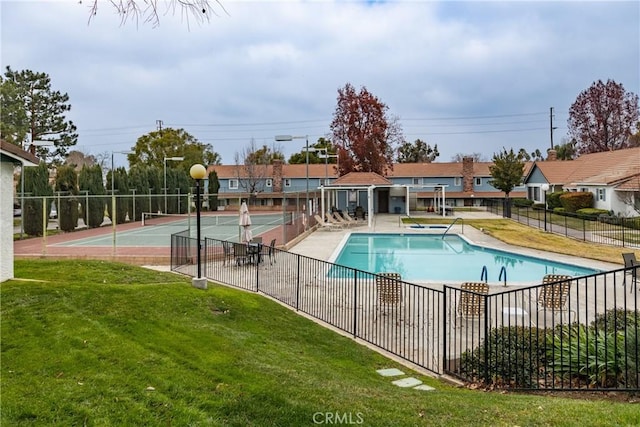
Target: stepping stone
point(392, 372)
point(424, 387)
point(407, 382)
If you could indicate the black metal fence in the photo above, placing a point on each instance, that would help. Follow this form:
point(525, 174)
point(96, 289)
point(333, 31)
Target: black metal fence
point(605, 229)
point(586, 339)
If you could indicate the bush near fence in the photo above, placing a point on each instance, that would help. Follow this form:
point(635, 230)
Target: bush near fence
point(578, 200)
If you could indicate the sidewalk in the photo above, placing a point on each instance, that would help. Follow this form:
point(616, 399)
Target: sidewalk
point(324, 244)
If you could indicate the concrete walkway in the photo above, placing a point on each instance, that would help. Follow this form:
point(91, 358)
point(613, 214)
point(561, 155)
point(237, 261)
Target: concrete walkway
point(324, 244)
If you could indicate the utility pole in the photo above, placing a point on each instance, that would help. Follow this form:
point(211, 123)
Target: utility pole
point(551, 127)
point(159, 126)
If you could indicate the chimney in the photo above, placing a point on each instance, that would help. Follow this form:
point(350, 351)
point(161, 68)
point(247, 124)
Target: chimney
point(552, 155)
point(467, 174)
point(277, 176)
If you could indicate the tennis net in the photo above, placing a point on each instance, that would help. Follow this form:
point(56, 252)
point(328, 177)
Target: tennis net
point(185, 220)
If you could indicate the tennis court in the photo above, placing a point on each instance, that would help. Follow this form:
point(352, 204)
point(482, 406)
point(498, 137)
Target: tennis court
point(156, 229)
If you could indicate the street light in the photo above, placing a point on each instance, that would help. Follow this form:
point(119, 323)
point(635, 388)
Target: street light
point(326, 157)
point(177, 159)
point(283, 138)
point(198, 172)
point(545, 187)
point(113, 201)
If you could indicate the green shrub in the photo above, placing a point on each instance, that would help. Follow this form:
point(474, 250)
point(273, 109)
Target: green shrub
point(538, 206)
point(632, 349)
point(560, 211)
point(576, 200)
point(515, 358)
point(591, 213)
point(576, 351)
point(522, 203)
point(616, 320)
point(553, 200)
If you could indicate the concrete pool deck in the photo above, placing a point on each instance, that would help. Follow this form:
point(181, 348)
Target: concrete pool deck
point(322, 244)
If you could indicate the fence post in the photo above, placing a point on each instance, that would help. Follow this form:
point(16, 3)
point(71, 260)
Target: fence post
point(298, 283)
point(584, 230)
point(486, 337)
point(355, 304)
point(623, 227)
point(445, 307)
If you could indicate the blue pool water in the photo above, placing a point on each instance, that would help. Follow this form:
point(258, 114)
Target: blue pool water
point(432, 258)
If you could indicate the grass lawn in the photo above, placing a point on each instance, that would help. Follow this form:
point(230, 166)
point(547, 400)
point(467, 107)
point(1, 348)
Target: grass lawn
point(96, 343)
point(518, 234)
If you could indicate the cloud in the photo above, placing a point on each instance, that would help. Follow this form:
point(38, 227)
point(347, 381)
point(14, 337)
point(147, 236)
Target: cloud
point(468, 76)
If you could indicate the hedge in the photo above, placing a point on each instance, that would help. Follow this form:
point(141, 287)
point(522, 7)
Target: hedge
point(577, 200)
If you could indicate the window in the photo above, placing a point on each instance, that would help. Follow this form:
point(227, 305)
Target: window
point(536, 194)
point(417, 181)
point(457, 181)
point(269, 182)
point(601, 194)
point(478, 181)
point(233, 184)
point(325, 181)
point(287, 182)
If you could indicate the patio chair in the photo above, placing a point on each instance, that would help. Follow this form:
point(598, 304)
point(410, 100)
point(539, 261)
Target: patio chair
point(471, 304)
point(632, 266)
point(227, 251)
point(325, 225)
point(270, 251)
point(359, 213)
point(554, 295)
point(240, 253)
point(388, 292)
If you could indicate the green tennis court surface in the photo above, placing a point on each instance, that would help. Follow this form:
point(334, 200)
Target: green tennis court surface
point(158, 230)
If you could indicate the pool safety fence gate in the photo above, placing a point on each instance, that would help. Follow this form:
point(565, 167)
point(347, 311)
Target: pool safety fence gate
point(603, 229)
point(577, 334)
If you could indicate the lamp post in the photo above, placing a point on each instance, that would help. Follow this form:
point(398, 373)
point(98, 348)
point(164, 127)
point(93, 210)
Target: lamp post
point(283, 138)
point(545, 187)
point(177, 159)
point(198, 172)
point(113, 201)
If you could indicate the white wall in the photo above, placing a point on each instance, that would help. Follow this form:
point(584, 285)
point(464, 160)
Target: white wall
point(6, 221)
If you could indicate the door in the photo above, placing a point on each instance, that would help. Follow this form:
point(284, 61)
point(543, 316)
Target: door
point(383, 201)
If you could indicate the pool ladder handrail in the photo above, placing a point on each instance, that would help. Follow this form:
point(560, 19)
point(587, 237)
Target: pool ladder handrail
point(414, 221)
point(484, 275)
point(451, 225)
point(503, 270)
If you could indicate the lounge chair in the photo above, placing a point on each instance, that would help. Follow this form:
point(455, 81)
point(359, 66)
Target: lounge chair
point(471, 304)
point(338, 219)
point(632, 266)
point(554, 295)
point(348, 219)
point(326, 225)
point(389, 292)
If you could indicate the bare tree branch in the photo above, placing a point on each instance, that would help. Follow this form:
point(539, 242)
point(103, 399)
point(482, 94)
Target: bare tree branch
point(148, 11)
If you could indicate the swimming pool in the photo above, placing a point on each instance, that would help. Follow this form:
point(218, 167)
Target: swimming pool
point(420, 257)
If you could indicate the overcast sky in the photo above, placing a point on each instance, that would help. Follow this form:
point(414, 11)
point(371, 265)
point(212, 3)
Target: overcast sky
point(467, 76)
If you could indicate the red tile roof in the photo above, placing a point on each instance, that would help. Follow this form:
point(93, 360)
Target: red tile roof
point(361, 179)
point(604, 168)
